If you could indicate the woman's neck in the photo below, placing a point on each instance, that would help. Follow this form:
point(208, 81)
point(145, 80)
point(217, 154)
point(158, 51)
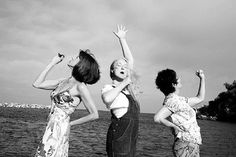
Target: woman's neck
point(115, 82)
point(176, 92)
point(72, 80)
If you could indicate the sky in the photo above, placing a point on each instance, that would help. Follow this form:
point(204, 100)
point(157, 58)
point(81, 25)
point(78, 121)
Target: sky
point(184, 35)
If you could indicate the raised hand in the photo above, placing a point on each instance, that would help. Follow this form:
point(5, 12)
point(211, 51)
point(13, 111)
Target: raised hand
point(200, 73)
point(58, 58)
point(121, 32)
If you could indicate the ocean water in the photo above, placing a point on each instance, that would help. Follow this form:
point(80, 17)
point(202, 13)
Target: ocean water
point(21, 129)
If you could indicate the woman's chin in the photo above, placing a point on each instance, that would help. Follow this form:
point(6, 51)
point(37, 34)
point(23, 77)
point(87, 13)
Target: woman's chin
point(70, 66)
point(119, 78)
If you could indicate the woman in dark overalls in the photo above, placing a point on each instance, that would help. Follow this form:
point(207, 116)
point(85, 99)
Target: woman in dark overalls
point(119, 98)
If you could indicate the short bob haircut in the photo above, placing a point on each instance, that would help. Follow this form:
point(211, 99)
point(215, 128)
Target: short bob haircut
point(165, 80)
point(112, 67)
point(87, 69)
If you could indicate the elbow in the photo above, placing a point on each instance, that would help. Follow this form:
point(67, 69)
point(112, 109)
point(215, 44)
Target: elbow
point(95, 116)
point(201, 98)
point(106, 100)
point(157, 119)
point(35, 85)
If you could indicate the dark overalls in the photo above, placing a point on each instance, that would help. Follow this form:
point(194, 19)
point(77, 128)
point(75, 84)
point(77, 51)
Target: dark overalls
point(123, 132)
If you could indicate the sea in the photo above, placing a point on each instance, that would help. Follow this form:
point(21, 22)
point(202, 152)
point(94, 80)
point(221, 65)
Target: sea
point(21, 129)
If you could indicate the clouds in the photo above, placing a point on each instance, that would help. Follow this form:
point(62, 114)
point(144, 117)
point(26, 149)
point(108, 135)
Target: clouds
point(183, 35)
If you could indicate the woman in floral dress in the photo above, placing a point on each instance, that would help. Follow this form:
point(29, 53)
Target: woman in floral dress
point(66, 95)
point(182, 116)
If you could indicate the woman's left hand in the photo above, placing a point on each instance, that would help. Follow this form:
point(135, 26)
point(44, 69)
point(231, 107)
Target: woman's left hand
point(200, 73)
point(121, 32)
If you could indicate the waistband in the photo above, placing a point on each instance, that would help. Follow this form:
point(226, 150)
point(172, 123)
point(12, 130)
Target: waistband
point(113, 118)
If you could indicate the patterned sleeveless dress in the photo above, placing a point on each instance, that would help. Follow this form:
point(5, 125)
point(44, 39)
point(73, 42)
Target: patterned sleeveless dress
point(55, 141)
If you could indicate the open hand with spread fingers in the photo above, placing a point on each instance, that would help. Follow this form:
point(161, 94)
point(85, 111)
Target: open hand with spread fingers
point(121, 32)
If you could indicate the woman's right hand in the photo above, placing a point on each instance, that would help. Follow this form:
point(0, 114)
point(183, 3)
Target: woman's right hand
point(57, 59)
point(180, 128)
point(121, 32)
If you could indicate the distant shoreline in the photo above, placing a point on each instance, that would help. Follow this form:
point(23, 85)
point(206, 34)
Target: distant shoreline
point(18, 105)
point(39, 106)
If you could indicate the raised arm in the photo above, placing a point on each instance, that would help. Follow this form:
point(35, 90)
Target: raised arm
point(121, 34)
point(89, 105)
point(41, 83)
point(201, 91)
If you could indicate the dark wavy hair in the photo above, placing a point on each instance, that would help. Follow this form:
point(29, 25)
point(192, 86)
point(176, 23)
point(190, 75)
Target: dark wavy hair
point(87, 69)
point(165, 80)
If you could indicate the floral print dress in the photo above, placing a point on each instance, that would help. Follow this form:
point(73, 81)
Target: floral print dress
point(55, 141)
point(184, 116)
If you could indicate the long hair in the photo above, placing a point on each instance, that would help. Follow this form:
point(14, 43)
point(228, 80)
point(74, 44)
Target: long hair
point(87, 69)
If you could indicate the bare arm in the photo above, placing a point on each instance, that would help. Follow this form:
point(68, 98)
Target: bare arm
point(41, 83)
point(109, 96)
point(121, 34)
point(161, 117)
point(201, 91)
point(89, 105)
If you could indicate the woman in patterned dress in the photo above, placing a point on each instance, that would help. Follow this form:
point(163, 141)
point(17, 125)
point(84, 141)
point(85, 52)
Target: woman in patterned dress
point(66, 95)
point(182, 116)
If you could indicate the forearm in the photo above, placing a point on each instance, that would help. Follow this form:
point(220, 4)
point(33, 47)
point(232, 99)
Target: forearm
point(109, 96)
point(169, 124)
point(201, 90)
point(41, 78)
point(126, 52)
point(85, 119)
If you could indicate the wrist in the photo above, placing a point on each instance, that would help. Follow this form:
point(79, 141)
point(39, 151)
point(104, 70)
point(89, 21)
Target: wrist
point(176, 127)
point(202, 78)
point(122, 39)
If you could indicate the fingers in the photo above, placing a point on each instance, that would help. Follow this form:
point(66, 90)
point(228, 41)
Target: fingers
point(118, 28)
point(121, 28)
point(61, 55)
point(200, 73)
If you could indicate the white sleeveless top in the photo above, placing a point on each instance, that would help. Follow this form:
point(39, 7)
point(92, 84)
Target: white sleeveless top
point(120, 105)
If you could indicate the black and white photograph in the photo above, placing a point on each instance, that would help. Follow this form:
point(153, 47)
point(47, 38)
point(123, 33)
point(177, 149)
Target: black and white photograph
point(117, 78)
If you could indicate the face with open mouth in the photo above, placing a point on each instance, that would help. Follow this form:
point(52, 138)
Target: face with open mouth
point(73, 61)
point(121, 69)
